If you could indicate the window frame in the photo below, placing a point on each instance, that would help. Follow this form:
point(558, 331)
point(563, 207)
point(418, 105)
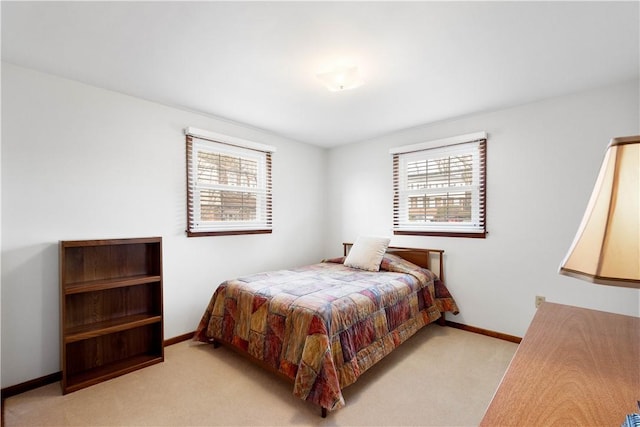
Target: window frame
point(474, 144)
point(208, 142)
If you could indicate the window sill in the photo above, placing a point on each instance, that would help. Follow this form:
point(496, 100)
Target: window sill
point(225, 233)
point(482, 235)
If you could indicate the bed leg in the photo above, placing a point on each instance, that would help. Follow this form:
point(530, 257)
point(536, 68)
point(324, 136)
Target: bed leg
point(442, 321)
point(323, 412)
point(216, 344)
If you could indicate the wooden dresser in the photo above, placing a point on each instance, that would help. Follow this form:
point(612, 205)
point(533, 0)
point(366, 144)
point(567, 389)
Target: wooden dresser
point(574, 367)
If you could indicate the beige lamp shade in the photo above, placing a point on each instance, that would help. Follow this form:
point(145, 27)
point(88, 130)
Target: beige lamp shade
point(606, 249)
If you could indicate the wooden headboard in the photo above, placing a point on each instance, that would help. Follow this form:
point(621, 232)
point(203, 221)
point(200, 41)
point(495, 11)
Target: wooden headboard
point(433, 259)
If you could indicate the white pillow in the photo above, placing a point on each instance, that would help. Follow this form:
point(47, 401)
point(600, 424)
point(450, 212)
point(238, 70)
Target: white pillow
point(367, 252)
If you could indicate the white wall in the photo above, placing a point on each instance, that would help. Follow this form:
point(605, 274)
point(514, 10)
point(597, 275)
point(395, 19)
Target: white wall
point(542, 162)
point(79, 162)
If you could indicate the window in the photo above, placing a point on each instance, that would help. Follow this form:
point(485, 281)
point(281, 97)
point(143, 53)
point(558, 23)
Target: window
point(439, 187)
point(228, 185)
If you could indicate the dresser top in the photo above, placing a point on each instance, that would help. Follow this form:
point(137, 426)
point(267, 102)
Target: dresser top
point(574, 366)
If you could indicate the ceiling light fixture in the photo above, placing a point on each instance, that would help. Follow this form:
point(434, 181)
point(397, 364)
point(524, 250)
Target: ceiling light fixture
point(341, 78)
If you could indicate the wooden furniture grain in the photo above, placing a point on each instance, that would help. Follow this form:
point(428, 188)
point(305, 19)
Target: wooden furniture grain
point(110, 308)
point(575, 366)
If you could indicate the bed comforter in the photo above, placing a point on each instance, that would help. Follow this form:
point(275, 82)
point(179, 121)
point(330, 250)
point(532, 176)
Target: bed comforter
point(323, 325)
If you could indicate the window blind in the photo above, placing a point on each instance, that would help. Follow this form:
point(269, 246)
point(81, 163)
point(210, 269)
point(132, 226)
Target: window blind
point(229, 188)
point(440, 190)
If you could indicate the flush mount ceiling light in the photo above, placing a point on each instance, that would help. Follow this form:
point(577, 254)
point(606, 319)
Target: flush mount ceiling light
point(341, 78)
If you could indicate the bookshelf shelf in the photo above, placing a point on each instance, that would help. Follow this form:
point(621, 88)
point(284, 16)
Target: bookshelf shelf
point(111, 308)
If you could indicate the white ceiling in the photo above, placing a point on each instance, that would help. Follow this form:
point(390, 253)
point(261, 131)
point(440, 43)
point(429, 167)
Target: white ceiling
point(255, 62)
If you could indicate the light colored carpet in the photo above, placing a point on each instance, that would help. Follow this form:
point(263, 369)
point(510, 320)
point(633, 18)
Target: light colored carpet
point(441, 376)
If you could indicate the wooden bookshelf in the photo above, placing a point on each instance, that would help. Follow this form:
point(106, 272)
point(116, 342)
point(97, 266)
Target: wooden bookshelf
point(111, 308)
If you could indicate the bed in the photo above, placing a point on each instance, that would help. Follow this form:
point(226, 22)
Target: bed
point(321, 326)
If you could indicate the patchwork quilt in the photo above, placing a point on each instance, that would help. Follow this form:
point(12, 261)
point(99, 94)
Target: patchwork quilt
point(323, 325)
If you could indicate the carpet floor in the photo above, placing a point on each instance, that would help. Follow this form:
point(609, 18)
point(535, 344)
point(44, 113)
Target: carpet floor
point(441, 376)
